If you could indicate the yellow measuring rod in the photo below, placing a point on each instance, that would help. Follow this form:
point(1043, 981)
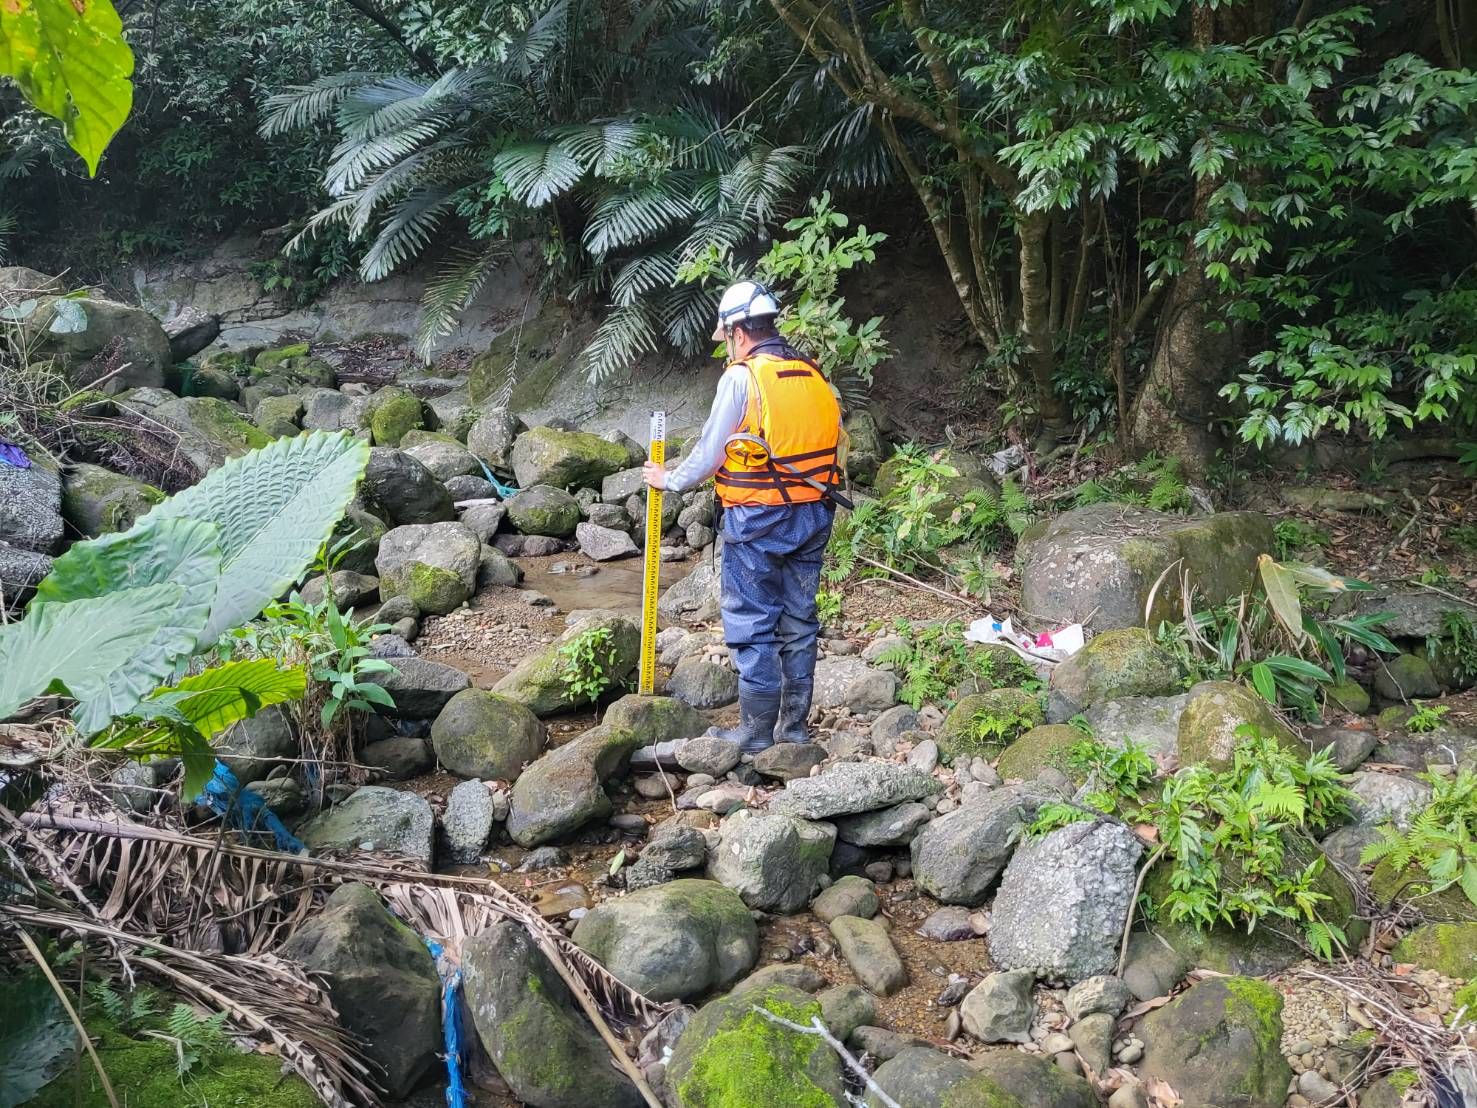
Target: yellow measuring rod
point(651, 580)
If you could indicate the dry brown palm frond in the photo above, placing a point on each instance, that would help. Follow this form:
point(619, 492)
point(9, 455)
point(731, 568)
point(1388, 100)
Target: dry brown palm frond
point(261, 994)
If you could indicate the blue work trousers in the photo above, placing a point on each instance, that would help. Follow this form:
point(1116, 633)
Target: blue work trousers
point(771, 571)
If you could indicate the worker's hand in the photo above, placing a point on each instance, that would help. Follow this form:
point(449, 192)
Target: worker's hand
point(655, 474)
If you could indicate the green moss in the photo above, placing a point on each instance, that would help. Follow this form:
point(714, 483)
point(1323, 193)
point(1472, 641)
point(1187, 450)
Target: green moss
point(1411, 886)
point(434, 590)
point(1447, 948)
point(985, 723)
point(1256, 1006)
point(143, 1072)
point(1404, 1080)
point(751, 1061)
point(98, 402)
point(1036, 749)
point(978, 1092)
point(221, 423)
point(391, 413)
point(269, 360)
point(1465, 998)
point(1362, 1038)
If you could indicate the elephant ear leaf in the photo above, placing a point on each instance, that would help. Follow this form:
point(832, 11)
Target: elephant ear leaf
point(183, 552)
point(75, 648)
point(274, 507)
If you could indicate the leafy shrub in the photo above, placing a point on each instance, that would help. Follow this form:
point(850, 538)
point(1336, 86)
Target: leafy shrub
point(1455, 645)
point(828, 606)
point(1223, 833)
point(1153, 482)
point(1293, 536)
point(1426, 718)
point(936, 663)
point(1441, 842)
point(586, 663)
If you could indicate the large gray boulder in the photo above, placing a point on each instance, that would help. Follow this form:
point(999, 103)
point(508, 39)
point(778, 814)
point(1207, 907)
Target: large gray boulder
point(673, 941)
point(96, 336)
point(326, 409)
point(530, 1026)
point(563, 790)
point(445, 460)
point(467, 821)
point(1414, 613)
point(482, 734)
point(492, 435)
point(696, 598)
point(1099, 563)
point(420, 688)
point(921, 1077)
point(772, 861)
point(564, 459)
point(895, 826)
point(1001, 1009)
point(1150, 721)
point(848, 682)
point(400, 490)
point(97, 501)
point(1214, 714)
point(1219, 1043)
point(381, 979)
point(254, 747)
point(433, 564)
point(544, 510)
point(1113, 665)
point(541, 682)
point(957, 856)
point(31, 504)
point(209, 430)
point(603, 544)
point(377, 820)
point(849, 787)
point(1079, 878)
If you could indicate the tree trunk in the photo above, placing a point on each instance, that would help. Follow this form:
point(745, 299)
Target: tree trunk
point(1037, 336)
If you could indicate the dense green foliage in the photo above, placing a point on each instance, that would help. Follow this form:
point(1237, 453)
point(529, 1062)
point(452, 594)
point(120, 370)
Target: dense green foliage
point(1440, 843)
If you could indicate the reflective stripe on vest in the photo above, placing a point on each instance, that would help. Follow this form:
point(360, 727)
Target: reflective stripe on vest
point(792, 408)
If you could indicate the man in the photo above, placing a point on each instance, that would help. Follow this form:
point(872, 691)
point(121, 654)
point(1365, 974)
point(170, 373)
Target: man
point(771, 444)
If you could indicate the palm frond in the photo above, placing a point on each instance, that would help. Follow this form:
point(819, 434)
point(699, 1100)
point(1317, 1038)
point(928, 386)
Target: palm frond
point(641, 275)
point(634, 214)
point(406, 231)
point(687, 313)
point(600, 143)
point(353, 161)
point(626, 335)
point(303, 105)
point(764, 178)
point(530, 49)
point(537, 172)
point(451, 292)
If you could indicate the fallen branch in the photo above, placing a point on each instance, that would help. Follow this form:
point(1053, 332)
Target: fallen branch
point(1138, 888)
point(818, 1029)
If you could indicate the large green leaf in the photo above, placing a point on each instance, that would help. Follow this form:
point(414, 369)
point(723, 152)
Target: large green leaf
point(37, 1038)
point(70, 61)
point(227, 694)
point(274, 507)
point(76, 648)
point(183, 552)
point(1282, 594)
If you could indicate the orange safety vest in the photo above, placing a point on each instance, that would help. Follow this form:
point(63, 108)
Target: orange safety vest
point(792, 408)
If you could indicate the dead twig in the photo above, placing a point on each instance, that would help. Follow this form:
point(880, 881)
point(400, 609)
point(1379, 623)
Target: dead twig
point(818, 1029)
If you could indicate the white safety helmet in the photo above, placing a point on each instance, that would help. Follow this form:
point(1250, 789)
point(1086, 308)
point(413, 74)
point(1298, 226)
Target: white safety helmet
point(745, 300)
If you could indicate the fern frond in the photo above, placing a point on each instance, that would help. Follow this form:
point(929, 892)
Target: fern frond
point(450, 293)
point(626, 334)
point(302, 105)
point(339, 211)
point(407, 231)
point(765, 177)
point(353, 161)
point(537, 172)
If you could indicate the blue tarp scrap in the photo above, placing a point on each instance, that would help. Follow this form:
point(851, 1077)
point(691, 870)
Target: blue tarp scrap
point(245, 809)
point(451, 1023)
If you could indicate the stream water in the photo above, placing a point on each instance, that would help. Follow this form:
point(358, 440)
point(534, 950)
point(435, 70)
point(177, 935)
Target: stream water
point(615, 585)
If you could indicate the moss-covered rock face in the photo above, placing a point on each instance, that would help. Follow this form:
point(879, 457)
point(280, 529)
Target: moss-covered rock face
point(269, 361)
point(528, 1022)
point(1220, 1043)
point(1411, 886)
point(1348, 695)
point(1447, 948)
point(1037, 749)
point(564, 459)
point(985, 723)
point(1100, 563)
point(279, 416)
point(731, 1056)
point(97, 501)
point(974, 479)
point(866, 449)
point(434, 564)
point(1115, 664)
point(390, 413)
point(210, 430)
point(542, 680)
point(1263, 950)
point(209, 381)
point(532, 354)
point(1406, 677)
point(544, 510)
point(1212, 716)
point(673, 941)
point(921, 1077)
point(145, 1071)
point(484, 735)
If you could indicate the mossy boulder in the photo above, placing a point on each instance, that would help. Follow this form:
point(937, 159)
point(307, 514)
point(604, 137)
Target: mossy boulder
point(732, 1056)
point(1406, 677)
point(673, 941)
point(381, 978)
point(95, 336)
point(434, 564)
point(529, 1024)
point(399, 490)
point(146, 1072)
point(1348, 695)
point(1098, 564)
point(564, 459)
point(544, 510)
point(279, 416)
point(1412, 886)
point(203, 380)
point(390, 413)
point(481, 734)
point(921, 1077)
point(564, 790)
point(97, 501)
point(1215, 712)
point(1037, 749)
point(771, 860)
point(986, 723)
point(1447, 948)
point(543, 680)
point(1265, 949)
point(492, 434)
point(973, 481)
point(269, 361)
point(866, 446)
point(1114, 664)
point(1219, 1043)
point(211, 430)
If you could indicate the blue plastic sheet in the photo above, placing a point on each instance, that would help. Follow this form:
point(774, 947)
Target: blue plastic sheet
point(241, 808)
point(451, 1024)
point(503, 491)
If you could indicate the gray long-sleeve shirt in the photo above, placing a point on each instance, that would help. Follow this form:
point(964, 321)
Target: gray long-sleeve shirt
point(727, 416)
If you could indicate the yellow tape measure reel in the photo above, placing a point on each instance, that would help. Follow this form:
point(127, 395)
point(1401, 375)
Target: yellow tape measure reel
point(651, 582)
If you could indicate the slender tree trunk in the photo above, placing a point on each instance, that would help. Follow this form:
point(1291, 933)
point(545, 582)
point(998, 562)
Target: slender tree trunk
point(1037, 335)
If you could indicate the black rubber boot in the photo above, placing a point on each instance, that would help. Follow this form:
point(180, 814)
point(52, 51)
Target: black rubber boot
point(758, 713)
point(795, 700)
